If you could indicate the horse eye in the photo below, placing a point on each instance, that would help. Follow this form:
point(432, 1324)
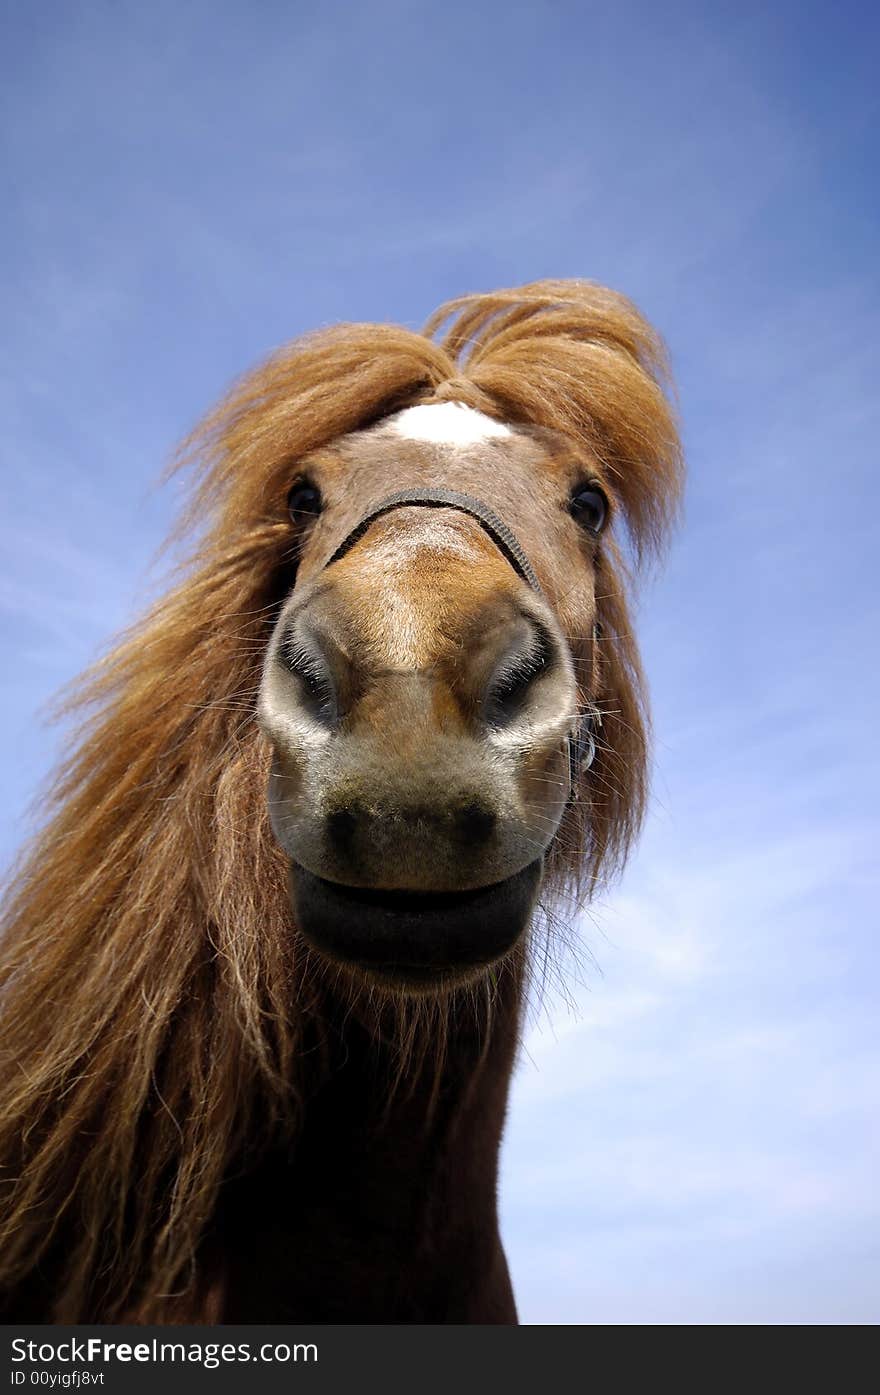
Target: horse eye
point(304, 501)
point(589, 508)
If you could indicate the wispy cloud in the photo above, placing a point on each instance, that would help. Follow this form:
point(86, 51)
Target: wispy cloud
point(705, 1115)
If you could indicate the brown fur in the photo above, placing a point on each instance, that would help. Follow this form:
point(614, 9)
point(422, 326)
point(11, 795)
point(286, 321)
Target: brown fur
point(154, 1000)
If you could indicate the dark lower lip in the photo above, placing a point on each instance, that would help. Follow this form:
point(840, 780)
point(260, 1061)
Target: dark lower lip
point(414, 936)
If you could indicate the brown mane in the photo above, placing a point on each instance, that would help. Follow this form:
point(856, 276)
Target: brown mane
point(152, 1009)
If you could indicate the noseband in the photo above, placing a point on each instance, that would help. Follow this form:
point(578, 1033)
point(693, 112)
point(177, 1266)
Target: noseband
point(582, 741)
point(497, 529)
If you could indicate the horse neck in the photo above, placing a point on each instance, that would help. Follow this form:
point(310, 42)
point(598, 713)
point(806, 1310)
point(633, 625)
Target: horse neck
point(390, 1187)
point(415, 1085)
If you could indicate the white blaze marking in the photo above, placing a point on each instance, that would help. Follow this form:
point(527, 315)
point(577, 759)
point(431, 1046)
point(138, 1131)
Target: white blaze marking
point(446, 424)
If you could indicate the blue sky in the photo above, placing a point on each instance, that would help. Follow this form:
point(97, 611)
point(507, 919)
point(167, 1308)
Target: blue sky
point(694, 1137)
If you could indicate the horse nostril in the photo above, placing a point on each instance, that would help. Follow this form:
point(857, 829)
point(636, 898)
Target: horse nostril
point(305, 662)
point(514, 676)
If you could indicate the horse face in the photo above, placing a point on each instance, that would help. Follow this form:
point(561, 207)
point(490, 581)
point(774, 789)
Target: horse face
point(419, 695)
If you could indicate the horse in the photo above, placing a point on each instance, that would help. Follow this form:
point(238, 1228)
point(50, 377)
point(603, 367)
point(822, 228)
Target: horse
point(264, 966)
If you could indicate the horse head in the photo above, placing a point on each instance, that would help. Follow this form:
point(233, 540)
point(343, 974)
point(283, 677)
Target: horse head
point(425, 681)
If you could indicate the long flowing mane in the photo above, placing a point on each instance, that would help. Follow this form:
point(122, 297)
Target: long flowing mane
point(153, 999)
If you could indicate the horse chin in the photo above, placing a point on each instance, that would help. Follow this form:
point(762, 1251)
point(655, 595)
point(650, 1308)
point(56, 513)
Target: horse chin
point(414, 941)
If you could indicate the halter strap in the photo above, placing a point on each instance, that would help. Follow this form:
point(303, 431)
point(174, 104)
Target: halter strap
point(582, 744)
point(497, 529)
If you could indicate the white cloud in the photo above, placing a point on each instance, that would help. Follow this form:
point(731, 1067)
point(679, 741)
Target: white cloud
point(703, 1099)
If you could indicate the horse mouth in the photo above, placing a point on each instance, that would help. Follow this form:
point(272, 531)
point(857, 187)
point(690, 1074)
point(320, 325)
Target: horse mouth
point(413, 937)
